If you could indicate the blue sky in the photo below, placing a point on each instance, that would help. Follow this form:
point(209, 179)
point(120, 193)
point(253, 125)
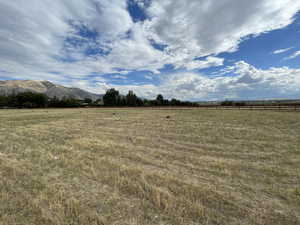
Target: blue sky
point(186, 49)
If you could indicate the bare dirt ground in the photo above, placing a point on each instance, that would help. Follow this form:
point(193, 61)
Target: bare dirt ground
point(138, 167)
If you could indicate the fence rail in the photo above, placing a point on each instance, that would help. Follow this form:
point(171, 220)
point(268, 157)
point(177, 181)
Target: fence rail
point(255, 107)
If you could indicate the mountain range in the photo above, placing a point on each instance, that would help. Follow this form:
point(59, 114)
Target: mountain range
point(46, 87)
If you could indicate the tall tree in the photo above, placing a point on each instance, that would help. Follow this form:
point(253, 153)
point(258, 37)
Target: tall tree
point(131, 99)
point(160, 99)
point(111, 97)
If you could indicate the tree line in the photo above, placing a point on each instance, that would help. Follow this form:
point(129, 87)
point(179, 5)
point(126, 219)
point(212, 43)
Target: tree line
point(112, 98)
point(38, 100)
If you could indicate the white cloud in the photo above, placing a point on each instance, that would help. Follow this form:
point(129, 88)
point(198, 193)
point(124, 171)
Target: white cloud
point(206, 27)
point(209, 62)
point(142, 3)
point(112, 18)
point(119, 77)
point(148, 77)
point(33, 33)
point(293, 56)
point(245, 82)
point(279, 51)
point(33, 37)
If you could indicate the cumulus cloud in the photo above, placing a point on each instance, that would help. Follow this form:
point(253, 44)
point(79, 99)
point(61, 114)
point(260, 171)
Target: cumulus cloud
point(245, 82)
point(200, 64)
point(33, 33)
point(142, 3)
point(208, 27)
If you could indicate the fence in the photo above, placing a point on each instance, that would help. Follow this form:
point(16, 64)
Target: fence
point(255, 107)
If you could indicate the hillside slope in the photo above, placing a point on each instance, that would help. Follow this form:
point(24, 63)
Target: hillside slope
point(45, 87)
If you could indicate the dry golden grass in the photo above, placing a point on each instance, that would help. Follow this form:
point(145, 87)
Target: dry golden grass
point(136, 167)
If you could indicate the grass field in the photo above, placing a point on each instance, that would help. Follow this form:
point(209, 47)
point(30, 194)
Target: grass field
point(136, 167)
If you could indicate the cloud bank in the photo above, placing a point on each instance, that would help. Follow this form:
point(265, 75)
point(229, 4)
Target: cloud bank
point(247, 82)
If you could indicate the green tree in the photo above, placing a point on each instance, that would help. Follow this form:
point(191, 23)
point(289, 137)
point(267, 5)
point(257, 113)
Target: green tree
point(160, 100)
point(3, 101)
point(31, 100)
point(111, 97)
point(131, 99)
point(88, 100)
point(175, 102)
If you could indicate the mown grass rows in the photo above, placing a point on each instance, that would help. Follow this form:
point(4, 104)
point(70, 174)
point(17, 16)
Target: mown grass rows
point(137, 167)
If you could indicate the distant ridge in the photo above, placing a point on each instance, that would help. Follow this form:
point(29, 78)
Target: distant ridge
point(46, 87)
